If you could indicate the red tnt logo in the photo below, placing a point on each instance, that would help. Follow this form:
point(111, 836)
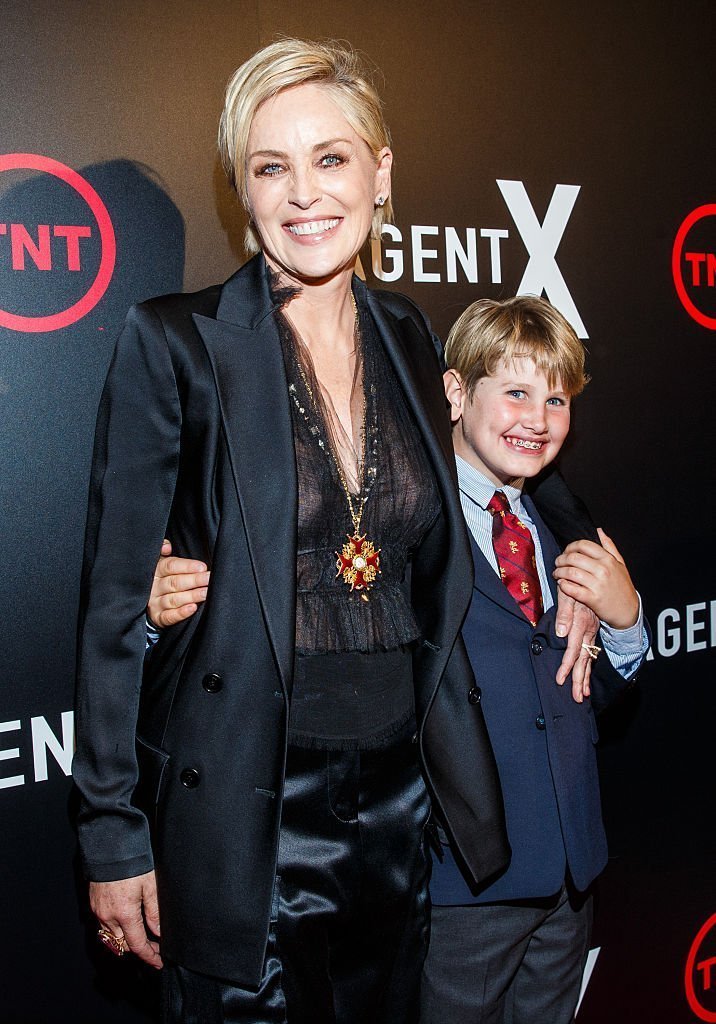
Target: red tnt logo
point(693, 267)
point(58, 246)
point(700, 973)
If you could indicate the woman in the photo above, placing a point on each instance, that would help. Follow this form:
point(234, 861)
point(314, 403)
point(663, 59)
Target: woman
point(289, 429)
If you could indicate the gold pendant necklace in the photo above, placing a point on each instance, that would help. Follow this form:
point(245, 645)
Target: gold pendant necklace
point(358, 561)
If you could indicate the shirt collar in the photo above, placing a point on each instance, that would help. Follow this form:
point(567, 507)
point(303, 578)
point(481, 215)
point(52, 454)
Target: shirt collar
point(475, 486)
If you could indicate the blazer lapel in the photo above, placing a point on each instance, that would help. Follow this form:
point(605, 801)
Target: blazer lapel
point(405, 347)
point(441, 576)
point(550, 548)
point(244, 349)
point(489, 583)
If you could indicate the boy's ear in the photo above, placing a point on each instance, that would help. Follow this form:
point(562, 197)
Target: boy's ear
point(455, 393)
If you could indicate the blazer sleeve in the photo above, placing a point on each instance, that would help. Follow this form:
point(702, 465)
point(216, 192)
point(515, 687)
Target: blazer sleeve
point(134, 468)
point(565, 514)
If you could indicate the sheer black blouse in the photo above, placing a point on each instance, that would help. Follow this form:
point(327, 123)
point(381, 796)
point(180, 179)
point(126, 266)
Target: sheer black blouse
point(402, 501)
point(353, 678)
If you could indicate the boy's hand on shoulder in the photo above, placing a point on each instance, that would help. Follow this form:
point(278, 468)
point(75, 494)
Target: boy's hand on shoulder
point(597, 576)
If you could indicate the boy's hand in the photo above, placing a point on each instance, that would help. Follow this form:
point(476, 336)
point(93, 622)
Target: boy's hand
point(597, 576)
point(178, 588)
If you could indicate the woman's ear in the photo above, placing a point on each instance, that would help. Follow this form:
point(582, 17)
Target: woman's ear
point(455, 394)
point(382, 175)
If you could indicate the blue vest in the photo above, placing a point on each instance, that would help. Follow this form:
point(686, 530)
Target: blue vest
point(543, 743)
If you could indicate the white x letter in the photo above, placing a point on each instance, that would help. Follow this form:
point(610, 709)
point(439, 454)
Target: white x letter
point(542, 241)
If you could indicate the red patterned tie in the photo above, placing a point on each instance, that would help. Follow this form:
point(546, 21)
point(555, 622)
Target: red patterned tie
point(515, 552)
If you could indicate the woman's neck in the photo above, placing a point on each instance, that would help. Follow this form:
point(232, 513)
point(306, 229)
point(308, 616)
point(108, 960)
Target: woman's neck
point(323, 314)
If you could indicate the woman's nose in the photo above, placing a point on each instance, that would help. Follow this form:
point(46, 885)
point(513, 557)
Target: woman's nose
point(304, 190)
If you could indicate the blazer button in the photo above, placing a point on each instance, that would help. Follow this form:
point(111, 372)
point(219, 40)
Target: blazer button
point(189, 778)
point(475, 695)
point(539, 722)
point(536, 646)
point(212, 683)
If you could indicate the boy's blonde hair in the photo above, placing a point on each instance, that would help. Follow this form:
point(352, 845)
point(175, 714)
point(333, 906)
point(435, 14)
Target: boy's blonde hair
point(283, 65)
point(524, 327)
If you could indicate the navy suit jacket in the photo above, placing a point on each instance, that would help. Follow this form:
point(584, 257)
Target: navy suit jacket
point(543, 743)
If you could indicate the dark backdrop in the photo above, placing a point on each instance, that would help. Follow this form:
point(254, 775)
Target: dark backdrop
point(598, 119)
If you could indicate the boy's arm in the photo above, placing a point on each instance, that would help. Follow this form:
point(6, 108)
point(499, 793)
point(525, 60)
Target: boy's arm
point(596, 575)
point(568, 518)
point(609, 682)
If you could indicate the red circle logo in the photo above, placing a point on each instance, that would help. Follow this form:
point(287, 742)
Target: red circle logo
point(98, 286)
point(700, 972)
point(702, 267)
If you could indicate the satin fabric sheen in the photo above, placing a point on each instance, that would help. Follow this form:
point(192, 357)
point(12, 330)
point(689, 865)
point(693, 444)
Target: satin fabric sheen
point(349, 924)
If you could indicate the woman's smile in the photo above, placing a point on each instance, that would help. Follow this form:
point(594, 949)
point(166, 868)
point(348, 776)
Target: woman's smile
point(313, 183)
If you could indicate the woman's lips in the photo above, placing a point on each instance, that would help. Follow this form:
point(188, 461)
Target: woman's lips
point(309, 229)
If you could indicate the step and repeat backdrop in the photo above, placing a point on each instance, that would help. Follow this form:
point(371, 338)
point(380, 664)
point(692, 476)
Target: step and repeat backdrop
point(558, 148)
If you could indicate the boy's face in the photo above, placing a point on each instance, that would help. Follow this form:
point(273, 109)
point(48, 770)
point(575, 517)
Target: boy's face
point(513, 425)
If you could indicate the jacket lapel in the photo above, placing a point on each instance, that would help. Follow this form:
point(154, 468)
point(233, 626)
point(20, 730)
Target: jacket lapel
point(244, 349)
point(405, 346)
point(489, 583)
point(441, 567)
point(550, 548)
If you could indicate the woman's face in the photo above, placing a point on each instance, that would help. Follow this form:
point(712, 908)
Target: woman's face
point(312, 184)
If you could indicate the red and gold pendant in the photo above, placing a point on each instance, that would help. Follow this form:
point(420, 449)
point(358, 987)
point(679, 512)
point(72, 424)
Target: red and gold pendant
point(358, 563)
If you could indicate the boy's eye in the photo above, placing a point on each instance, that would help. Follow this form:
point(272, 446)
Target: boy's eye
point(555, 400)
point(516, 393)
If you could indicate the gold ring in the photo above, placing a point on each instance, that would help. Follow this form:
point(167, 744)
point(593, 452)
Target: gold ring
point(592, 650)
point(114, 943)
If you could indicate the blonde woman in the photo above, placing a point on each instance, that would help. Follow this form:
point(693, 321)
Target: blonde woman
point(261, 789)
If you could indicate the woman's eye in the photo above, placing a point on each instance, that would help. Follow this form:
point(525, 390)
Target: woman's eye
point(269, 170)
point(332, 160)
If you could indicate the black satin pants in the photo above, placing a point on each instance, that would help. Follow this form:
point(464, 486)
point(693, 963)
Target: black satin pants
point(349, 924)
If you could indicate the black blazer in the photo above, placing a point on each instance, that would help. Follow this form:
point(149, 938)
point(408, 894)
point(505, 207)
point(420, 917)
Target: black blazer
point(181, 766)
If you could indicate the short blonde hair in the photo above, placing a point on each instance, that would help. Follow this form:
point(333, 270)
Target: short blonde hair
point(524, 327)
point(282, 65)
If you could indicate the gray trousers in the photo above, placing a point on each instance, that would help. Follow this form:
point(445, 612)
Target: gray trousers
point(507, 963)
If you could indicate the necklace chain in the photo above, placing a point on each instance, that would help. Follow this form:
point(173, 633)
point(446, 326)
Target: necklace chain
point(356, 515)
point(358, 561)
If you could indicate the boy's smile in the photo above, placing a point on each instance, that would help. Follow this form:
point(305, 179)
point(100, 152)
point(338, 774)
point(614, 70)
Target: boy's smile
point(512, 425)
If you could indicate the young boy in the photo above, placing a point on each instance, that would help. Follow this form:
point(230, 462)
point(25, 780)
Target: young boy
point(514, 950)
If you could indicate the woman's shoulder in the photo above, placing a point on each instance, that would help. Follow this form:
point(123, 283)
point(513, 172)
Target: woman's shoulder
point(400, 305)
point(179, 306)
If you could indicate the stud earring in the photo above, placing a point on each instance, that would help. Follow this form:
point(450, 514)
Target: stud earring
point(380, 201)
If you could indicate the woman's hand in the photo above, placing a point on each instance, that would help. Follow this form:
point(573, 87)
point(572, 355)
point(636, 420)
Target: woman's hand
point(579, 624)
point(128, 909)
point(597, 576)
point(178, 588)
